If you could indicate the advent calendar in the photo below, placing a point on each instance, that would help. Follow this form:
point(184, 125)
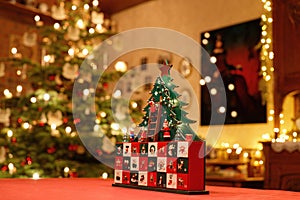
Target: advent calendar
point(166, 154)
point(166, 166)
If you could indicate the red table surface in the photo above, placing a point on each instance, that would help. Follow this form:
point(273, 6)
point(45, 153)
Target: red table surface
point(93, 188)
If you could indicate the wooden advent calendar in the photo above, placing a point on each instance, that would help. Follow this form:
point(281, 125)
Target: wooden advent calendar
point(166, 155)
point(175, 166)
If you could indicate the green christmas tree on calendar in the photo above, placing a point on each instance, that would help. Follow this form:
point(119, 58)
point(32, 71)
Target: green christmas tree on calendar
point(165, 119)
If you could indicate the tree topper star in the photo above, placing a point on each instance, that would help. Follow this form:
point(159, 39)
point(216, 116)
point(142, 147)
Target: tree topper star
point(165, 70)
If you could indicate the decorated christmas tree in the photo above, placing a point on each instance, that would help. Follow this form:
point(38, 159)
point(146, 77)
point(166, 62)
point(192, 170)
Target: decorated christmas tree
point(165, 119)
point(40, 137)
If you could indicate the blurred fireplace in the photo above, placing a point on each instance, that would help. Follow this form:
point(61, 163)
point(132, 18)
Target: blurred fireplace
point(282, 166)
point(290, 182)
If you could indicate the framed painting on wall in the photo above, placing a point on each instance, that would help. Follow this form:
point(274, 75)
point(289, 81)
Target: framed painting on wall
point(235, 50)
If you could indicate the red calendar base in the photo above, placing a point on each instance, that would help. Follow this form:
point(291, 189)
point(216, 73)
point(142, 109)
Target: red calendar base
point(194, 192)
point(175, 166)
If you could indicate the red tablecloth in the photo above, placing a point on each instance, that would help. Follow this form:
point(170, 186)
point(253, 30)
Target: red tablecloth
point(92, 188)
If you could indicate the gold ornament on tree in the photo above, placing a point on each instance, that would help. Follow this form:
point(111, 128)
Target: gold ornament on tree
point(70, 71)
point(97, 18)
point(2, 154)
point(55, 118)
point(73, 33)
point(2, 69)
point(30, 39)
point(107, 145)
point(80, 149)
point(58, 12)
point(4, 116)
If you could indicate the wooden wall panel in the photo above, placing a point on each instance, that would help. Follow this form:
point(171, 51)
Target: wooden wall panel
point(286, 44)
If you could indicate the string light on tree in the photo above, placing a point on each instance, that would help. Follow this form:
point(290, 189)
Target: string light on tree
point(68, 129)
point(14, 50)
point(86, 7)
point(95, 3)
point(33, 99)
point(56, 26)
point(46, 97)
point(26, 125)
point(91, 30)
point(115, 126)
point(15, 53)
point(10, 133)
point(74, 7)
point(71, 52)
point(18, 72)
point(19, 88)
point(267, 53)
point(47, 58)
point(7, 94)
point(117, 94)
point(38, 21)
point(11, 168)
point(80, 24)
point(104, 175)
point(103, 114)
point(35, 176)
point(66, 171)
